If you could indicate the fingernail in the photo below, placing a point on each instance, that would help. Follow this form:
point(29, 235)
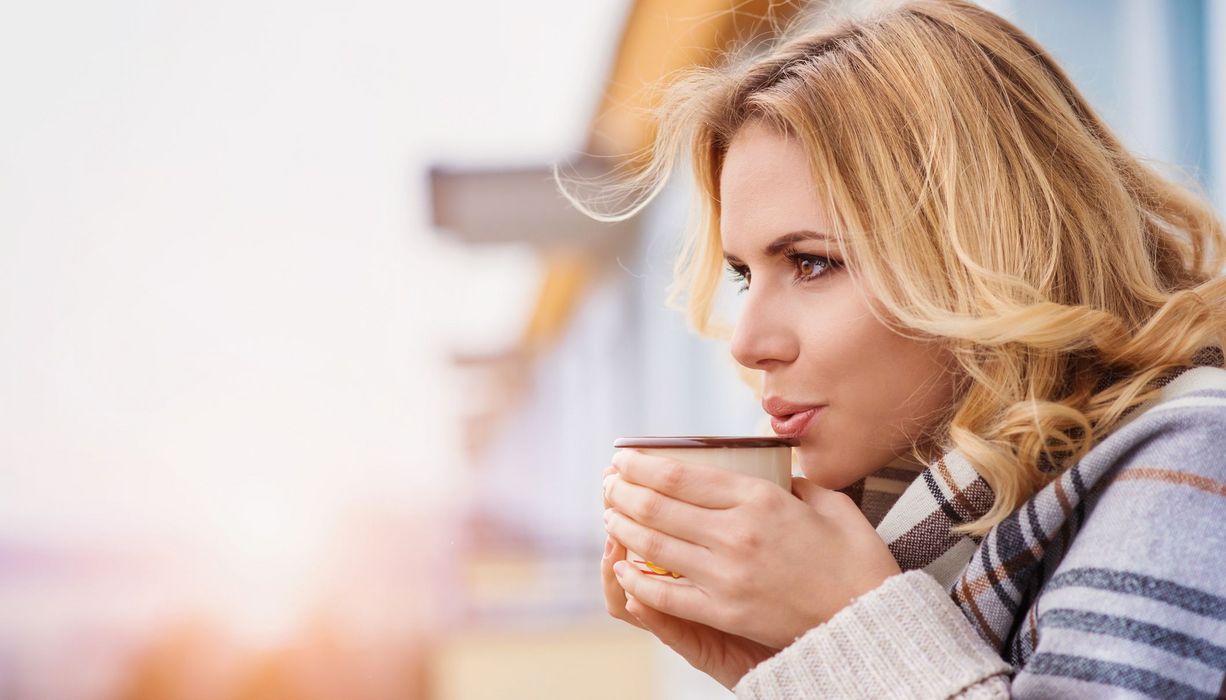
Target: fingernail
point(608, 517)
point(605, 485)
point(619, 569)
point(608, 547)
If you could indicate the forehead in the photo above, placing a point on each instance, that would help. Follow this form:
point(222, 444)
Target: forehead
point(766, 189)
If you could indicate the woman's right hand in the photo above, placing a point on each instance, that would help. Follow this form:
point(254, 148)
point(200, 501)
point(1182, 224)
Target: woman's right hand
point(723, 656)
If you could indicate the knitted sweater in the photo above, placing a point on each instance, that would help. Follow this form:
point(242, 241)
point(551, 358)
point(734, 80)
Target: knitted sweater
point(1110, 581)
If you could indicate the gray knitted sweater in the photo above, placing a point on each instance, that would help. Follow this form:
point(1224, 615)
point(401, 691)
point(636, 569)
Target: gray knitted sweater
point(1109, 582)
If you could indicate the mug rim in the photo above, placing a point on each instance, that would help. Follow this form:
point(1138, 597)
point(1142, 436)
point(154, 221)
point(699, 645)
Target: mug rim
point(694, 441)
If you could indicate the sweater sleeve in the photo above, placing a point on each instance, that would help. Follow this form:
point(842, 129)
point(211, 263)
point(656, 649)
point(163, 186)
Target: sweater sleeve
point(905, 638)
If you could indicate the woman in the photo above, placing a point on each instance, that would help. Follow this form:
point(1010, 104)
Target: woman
point(996, 336)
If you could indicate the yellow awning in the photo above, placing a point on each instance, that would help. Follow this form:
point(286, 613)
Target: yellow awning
point(661, 37)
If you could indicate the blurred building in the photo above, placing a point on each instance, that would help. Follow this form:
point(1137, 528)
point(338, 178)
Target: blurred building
point(599, 356)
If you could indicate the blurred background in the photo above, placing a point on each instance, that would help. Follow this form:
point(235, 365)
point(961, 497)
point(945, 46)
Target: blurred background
point(308, 374)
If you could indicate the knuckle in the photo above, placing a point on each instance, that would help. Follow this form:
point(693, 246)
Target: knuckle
point(744, 539)
point(662, 597)
point(764, 494)
point(844, 501)
point(648, 508)
point(653, 543)
point(672, 474)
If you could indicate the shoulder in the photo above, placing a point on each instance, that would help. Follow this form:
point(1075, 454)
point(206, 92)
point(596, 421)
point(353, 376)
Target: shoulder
point(1138, 601)
point(1158, 505)
point(1182, 431)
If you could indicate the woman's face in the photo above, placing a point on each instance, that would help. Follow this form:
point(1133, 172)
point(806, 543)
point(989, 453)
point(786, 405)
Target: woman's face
point(807, 326)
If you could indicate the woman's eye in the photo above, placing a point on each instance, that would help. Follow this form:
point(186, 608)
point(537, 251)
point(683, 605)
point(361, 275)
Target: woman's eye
point(810, 267)
point(741, 275)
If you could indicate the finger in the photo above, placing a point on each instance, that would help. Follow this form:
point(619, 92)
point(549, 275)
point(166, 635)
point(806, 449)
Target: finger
point(614, 596)
point(659, 512)
point(700, 485)
point(705, 648)
point(604, 483)
point(821, 499)
point(677, 599)
point(806, 490)
point(657, 547)
point(671, 630)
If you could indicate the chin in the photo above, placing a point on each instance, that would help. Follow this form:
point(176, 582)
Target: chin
point(815, 466)
point(811, 467)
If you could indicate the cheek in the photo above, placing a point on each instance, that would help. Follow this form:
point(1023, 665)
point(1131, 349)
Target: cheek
point(923, 377)
point(883, 391)
point(852, 360)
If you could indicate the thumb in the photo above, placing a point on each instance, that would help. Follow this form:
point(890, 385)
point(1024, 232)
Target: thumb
point(818, 497)
point(823, 499)
point(808, 491)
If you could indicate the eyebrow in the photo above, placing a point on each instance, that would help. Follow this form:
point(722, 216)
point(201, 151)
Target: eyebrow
point(786, 241)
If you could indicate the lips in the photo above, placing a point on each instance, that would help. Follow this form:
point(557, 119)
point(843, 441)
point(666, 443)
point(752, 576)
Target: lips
point(794, 424)
point(790, 419)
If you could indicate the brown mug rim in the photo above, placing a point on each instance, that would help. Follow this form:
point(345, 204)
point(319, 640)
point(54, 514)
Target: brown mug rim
point(692, 441)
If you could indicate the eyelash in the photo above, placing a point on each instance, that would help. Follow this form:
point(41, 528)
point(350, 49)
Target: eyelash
point(741, 274)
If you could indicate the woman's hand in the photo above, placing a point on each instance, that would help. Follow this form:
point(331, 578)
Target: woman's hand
point(759, 564)
point(722, 656)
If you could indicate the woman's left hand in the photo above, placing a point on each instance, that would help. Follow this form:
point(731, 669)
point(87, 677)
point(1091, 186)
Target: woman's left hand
point(761, 564)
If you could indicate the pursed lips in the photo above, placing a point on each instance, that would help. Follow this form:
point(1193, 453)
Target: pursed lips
point(790, 419)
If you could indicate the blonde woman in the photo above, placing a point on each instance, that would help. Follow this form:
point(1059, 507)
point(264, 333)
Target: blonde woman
point(996, 336)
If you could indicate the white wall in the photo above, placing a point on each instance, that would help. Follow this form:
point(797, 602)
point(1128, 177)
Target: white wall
point(223, 318)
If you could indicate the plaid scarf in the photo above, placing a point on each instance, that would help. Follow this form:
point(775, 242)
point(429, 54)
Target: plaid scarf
point(995, 579)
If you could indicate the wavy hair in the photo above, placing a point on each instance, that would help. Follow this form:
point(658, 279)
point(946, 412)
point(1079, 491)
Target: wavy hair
point(984, 205)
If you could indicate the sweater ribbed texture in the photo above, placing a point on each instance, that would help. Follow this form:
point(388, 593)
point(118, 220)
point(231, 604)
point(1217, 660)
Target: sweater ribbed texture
point(904, 639)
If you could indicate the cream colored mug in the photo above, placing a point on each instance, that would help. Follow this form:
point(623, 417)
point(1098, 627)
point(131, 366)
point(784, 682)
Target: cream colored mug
point(762, 457)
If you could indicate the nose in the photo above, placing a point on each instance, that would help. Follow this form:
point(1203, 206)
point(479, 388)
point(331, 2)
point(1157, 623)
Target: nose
point(763, 336)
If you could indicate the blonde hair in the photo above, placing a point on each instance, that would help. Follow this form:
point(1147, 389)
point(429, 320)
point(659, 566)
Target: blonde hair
point(985, 206)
